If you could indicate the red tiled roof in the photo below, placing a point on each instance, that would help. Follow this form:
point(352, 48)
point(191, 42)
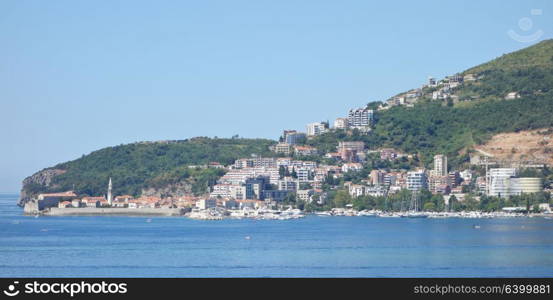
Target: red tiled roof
point(62, 194)
point(93, 199)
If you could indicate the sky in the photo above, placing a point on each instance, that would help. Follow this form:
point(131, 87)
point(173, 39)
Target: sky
point(77, 76)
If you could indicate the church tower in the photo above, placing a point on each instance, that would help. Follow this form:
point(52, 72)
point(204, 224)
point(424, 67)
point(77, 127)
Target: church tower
point(110, 196)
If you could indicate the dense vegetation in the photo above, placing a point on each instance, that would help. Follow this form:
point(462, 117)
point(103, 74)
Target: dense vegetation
point(432, 127)
point(142, 165)
point(538, 55)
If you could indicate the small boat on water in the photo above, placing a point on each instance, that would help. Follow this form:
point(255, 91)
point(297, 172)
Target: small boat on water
point(414, 215)
point(389, 215)
point(365, 213)
point(323, 214)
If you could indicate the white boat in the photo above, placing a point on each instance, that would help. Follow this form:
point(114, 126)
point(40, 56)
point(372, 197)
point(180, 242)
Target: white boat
point(323, 213)
point(415, 215)
point(364, 213)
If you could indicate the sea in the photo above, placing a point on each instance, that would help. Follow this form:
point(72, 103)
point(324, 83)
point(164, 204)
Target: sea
point(314, 246)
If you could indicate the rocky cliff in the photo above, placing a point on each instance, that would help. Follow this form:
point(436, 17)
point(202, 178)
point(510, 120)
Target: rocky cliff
point(42, 179)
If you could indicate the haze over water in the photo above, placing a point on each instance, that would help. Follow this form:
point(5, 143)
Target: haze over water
point(309, 247)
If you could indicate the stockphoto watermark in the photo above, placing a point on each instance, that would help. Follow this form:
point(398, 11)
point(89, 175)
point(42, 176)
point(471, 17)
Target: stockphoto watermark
point(67, 288)
point(526, 33)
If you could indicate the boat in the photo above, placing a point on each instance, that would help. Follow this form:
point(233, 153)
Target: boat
point(414, 215)
point(323, 214)
point(389, 215)
point(364, 213)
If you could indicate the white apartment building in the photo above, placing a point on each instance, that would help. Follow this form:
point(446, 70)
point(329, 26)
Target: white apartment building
point(499, 183)
point(351, 167)
point(356, 190)
point(314, 129)
point(341, 123)
point(375, 191)
point(360, 117)
point(288, 184)
point(239, 176)
point(303, 174)
point(416, 180)
point(504, 183)
point(305, 195)
point(256, 162)
point(206, 203)
point(440, 165)
point(283, 148)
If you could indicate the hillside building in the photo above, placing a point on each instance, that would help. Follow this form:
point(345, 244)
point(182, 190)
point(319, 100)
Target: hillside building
point(360, 117)
point(317, 128)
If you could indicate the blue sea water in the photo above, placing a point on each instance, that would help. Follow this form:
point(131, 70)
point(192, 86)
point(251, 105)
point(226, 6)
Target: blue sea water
point(309, 247)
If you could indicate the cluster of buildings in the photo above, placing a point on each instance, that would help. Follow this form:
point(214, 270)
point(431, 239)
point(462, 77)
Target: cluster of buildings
point(498, 182)
point(292, 142)
point(71, 200)
point(125, 201)
point(271, 179)
point(257, 182)
point(349, 152)
point(358, 118)
point(434, 89)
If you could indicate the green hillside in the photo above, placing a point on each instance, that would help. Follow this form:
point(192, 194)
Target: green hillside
point(539, 55)
point(527, 72)
point(150, 164)
point(440, 126)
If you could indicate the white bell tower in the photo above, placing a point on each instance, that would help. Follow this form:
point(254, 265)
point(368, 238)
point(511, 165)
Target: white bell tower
point(110, 196)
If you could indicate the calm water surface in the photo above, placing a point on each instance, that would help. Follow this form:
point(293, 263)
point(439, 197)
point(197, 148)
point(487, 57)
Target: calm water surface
point(309, 247)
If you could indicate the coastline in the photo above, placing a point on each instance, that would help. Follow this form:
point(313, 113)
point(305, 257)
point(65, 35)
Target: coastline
point(54, 211)
point(265, 214)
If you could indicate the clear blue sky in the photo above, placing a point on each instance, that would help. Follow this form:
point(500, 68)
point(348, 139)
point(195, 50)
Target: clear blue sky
point(77, 76)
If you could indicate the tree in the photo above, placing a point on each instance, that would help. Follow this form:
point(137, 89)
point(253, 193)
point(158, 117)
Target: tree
point(453, 203)
point(471, 203)
point(342, 198)
point(282, 172)
point(429, 206)
point(438, 201)
point(289, 199)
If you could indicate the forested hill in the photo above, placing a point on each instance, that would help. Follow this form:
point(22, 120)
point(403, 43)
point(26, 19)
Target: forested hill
point(477, 110)
point(136, 166)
